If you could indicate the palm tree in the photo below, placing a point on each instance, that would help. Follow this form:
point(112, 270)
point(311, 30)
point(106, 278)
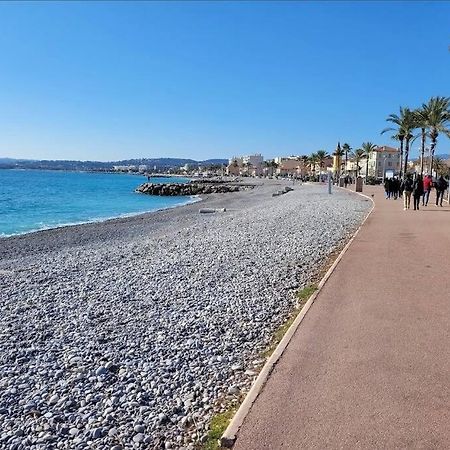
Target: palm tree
point(441, 166)
point(405, 124)
point(347, 151)
point(437, 112)
point(322, 155)
point(396, 137)
point(339, 153)
point(421, 119)
point(312, 163)
point(368, 148)
point(304, 159)
point(358, 155)
point(274, 164)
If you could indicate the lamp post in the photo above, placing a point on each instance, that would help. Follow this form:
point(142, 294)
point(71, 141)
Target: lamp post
point(384, 167)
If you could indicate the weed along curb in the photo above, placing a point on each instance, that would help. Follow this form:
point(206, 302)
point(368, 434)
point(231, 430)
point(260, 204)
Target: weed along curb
point(229, 437)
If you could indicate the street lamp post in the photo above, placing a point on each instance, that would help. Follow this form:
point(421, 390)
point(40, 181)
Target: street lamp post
point(384, 167)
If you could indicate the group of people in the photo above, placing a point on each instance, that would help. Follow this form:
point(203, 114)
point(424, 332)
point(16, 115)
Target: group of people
point(418, 188)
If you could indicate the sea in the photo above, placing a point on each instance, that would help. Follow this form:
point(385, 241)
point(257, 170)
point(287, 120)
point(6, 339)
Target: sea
point(32, 200)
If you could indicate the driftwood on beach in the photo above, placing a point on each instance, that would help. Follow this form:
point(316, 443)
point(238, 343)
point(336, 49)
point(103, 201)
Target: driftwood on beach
point(173, 189)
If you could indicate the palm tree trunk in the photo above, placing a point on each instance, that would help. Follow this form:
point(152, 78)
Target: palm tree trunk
point(346, 158)
point(422, 151)
point(405, 165)
point(401, 158)
point(367, 168)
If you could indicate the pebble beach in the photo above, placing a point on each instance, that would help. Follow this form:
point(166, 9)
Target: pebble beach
point(132, 333)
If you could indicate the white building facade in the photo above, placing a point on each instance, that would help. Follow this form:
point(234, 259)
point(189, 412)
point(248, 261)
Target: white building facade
point(384, 160)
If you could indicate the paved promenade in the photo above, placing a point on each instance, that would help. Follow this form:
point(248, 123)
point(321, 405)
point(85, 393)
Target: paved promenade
point(369, 366)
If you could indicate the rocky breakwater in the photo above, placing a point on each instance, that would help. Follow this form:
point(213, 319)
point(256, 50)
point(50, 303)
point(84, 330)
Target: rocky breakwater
point(194, 188)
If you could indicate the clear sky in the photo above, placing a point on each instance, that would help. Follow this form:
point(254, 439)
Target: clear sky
point(112, 80)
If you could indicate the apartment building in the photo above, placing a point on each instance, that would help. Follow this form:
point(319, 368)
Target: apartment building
point(384, 160)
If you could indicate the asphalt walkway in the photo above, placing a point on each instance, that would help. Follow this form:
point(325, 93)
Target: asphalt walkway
point(369, 366)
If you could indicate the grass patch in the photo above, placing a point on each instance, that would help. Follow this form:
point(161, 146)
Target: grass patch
point(302, 297)
point(217, 427)
point(304, 294)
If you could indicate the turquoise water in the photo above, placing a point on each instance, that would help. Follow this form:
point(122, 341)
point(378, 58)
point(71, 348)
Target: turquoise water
point(32, 200)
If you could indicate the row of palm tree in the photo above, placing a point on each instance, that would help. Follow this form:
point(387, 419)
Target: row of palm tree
point(432, 118)
point(315, 159)
point(365, 152)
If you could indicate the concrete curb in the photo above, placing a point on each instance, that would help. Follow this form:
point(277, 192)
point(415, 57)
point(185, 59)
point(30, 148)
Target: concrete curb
point(229, 436)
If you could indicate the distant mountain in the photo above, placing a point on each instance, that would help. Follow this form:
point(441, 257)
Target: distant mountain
point(159, 163)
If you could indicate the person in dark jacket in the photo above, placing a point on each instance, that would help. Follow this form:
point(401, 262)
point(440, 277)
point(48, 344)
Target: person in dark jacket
point(407, 188)
point(417, 191)
point(441, 186)
point(387, 189)
point(395, 187)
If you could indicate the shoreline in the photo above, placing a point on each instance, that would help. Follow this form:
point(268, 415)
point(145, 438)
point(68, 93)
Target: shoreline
point(151, 322)
point(193, 199)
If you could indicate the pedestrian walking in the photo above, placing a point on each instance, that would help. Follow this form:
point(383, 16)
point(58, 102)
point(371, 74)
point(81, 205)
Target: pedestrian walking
point(395, 187)
point(427, 185)
point(387, 188)
point(407, 187)
point(391, 187)
point(417, 191)
point(400, 188)
point(441, 186)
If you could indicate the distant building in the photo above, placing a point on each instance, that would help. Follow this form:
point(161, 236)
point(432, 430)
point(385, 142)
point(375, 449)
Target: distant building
point(255, 160)
point(289, 166)
point(249, 165)
point(383, 160)
point(125, 168)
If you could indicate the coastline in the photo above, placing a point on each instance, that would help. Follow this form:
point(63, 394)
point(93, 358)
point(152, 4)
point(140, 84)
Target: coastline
point(192, 199)
point(68, 198)
point(165, 312)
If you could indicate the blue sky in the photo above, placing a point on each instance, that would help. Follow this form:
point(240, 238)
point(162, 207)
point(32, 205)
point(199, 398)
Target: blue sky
point(112, 80)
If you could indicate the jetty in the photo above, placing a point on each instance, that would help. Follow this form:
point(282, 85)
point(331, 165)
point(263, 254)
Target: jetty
point(192, 188)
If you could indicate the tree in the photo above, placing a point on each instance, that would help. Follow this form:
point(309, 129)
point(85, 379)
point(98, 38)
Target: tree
point(405, 125)
point(347, 151)
point(312, 162)
point(437, 112)
point(440, 166)
point(322, 155)
point(268, 167)
point(358, 156)
point(339, 153)
point(304, 159)
point(368, 149)
point(421, 119)
point(248, 166)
